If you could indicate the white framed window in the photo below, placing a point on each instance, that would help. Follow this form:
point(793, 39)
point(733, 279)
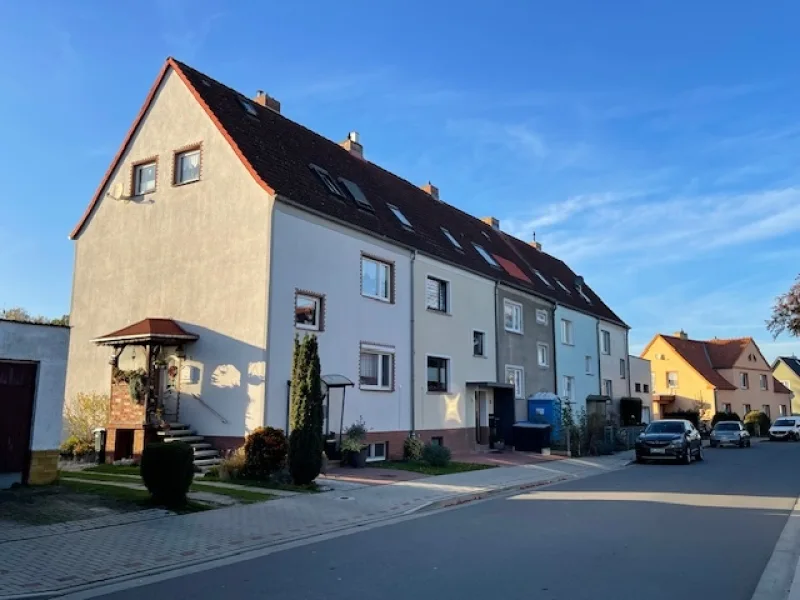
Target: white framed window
point(308, 311)
point(512, 314)
point(762, 382)
point(376, 368)
point(516, 377)
point(187, 166)
point(646, 388)
point(637, 387)
point(144, 178)
point(782, 410)
point(744, 380)
point(543, 354)
point(767, 410)
point(726, 408)
point(588, 361)
point(567, 336)
point(377, 451)
point(746, 408)
point(623, 371)
point(486, 256)
point(438, 373)
point(436, 294)
point(478, 343)
point(672, 379)
point(400, 216)
point(376, 279)
point(608, 388)
point(541, 316)
point(605, 341)
point(452, 239)
point(568, 387)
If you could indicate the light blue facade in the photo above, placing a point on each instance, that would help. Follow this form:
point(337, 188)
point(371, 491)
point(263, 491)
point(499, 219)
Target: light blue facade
point(572, 358)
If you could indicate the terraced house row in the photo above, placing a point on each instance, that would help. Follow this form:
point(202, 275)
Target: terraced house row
point(223, 229)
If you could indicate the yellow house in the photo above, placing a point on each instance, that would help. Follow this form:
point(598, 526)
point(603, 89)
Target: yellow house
point(786, 369)
point(712, 376)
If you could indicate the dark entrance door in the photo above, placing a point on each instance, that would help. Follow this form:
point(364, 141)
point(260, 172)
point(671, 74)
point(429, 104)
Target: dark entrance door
point(504, 415)
point(17, 389)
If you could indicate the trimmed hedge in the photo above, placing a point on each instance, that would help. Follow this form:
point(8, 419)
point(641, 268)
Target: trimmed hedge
point(265, 451)
point(756, 419)
point(167, 472)
point(436, 455)
point(413, 448)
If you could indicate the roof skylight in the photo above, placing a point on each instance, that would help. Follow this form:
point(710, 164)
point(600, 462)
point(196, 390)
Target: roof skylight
point(562, 286)
point(450, 237)
point(356, 194)
point(543, 279)
point(248, 106)
point(326, 180)
point(583, 294)
point(486, 256)
point(400, 216)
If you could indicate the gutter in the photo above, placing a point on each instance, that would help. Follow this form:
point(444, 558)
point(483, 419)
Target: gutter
point(413, 396)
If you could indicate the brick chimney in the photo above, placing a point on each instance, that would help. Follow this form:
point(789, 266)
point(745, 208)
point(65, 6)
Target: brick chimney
point(491, 221)
point(353, 145)
point(267, 101)
point(534, 244)
point(432, 190)
point(682, 334)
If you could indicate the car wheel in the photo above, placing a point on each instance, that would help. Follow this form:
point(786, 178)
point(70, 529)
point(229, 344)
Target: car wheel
point(699, 455)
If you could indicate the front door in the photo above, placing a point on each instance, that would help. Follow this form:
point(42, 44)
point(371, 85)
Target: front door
point(481, 418)
point(17, 391)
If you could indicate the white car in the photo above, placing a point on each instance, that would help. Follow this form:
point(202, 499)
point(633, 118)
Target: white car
point(785, 428)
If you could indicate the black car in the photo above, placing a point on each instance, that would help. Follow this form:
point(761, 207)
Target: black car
point(669, 439)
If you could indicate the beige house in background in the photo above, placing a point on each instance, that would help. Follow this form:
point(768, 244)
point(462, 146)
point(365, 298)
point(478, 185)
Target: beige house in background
point(786, 369)
point(712, 376)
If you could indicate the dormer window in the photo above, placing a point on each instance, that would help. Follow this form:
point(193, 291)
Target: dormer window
point(486, 256)
point(543, 279)
point(326, 180)
point(450, 237)
point(356, 194)
point(400, 216)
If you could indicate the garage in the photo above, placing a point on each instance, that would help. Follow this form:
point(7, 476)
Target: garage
point(17, 394)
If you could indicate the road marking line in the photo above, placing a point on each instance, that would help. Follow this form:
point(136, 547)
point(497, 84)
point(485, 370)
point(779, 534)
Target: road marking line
point(780, 579)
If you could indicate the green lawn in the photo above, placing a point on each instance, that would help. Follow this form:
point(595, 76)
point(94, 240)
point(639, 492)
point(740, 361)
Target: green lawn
point(140, 497)
point(426, 469)
point(269, 485)
point(114, 469)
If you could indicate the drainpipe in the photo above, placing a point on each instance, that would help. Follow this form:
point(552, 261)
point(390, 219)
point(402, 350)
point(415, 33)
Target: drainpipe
point(600, 361)
point(497, 331)
point(413, 394)
point(628, 361)
point(554, 341)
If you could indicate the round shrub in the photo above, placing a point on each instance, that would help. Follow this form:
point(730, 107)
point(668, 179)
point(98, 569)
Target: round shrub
point(721, 416)
point(436, 455)
point(265, 451)
point(413, 448)
point(68, 446)
point(167, 472)
point(757, 423)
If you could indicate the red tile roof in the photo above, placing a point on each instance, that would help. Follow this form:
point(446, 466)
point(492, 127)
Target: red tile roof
point(148, 330)
point(779, 388)
point(725, 353)
point(277, 152)
point(696, 354)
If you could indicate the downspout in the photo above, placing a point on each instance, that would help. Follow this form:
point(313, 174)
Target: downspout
point(413, 395)
point(628, 361)
point(556, 337)
point(497, 332)
point(600, 361)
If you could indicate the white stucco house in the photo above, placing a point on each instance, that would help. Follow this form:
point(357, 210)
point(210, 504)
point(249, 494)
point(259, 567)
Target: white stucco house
point(640, 379)
point(258, 230)
point(33, 365)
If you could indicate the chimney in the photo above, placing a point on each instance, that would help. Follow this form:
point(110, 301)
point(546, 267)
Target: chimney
point(491, 221)
point(352, 145)
point(534, 244)
point(682, 334)
point(432, 190)
point(267, 101)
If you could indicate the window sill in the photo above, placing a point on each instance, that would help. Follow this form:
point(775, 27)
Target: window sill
point(372, 388)
point(515, 331)
point(307, 328)
point(378, 298)
point(183, 183)
point(543, 367)
point(437, 392)
point(438, 312)
point(568, 344)
point(479, 356)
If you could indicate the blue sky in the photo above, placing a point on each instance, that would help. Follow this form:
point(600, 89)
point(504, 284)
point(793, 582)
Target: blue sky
point(654, 149)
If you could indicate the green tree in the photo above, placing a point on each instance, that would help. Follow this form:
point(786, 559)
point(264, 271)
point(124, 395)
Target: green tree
point(786, 312)
point(18, 313)
point(305, 439)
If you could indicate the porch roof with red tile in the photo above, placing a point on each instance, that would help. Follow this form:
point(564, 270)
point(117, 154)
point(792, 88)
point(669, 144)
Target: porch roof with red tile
point(158, 330)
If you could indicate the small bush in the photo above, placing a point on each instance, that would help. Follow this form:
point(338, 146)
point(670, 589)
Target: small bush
point(232, 466)
point(68, 446)
point(722, 417)
point(757, 423)
point(167, 472)
point(413, 448)
point(265, 451)
point(436, 455)
point(352, 445)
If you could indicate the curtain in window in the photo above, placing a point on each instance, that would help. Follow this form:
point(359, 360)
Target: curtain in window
point(369, 369)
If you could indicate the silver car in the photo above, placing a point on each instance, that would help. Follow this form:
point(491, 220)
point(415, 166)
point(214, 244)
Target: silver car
point(730, 432)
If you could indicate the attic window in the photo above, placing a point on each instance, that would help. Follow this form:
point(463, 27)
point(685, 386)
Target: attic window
point(543, 279)
point(248, 106)
point(450, 237)
point(486, 235)
point(486, 256)
point(583, 294)
point(326, 180)
point(356, 194)
point(205, 82)
point(562, 286)
point(400, 216)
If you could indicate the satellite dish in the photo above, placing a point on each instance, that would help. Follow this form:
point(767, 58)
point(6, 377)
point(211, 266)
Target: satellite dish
point(117, 192)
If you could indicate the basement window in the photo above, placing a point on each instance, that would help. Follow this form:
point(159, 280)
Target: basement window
point(450, 237)
point(400, 216)
point(356, 194)
point(486, 256)
point(326, 180)
point(543, 279)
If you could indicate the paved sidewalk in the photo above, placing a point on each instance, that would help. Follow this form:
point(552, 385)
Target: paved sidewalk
point(59, 563)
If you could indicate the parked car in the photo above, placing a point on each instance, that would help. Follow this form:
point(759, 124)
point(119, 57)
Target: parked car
point(669, 439)
point(730, 432)
point(785, 429)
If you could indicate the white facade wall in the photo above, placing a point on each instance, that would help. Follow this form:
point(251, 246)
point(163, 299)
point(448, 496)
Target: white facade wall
point(47, 346)
point(471, 307)
point(571, 358)
point(324, 258)
point(610, 363)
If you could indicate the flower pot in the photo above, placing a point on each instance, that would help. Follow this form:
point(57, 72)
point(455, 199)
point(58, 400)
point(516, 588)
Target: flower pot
point(357, 460)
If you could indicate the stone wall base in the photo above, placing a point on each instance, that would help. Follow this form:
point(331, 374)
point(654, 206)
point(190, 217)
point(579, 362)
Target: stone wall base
point(44, 467)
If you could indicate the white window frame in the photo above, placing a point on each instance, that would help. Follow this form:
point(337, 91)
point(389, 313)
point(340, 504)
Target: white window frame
point(400, 216)
point(744, 380)
point(567, 332)
point(782, 410)
point(387, 269)
point(318, 301)
point(486, 256)
point(608, 388)
point(371, 452)
point(137, 177)
point(568, 387)
point(443, 283)
point(179, 158)
point(379, 351)
point(588, 360)
point(605, 341)
point(483, 342)
point(541, 316)
point(452, 238)
point(448, 373)
point(514, 306)
point(763, 382)
point(672, 384)
point(512, 371)
point(327, 180)
point(542, 347)
point(623, 369)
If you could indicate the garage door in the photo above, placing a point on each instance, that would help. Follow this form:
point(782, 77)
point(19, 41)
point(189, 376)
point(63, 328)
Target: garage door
point(17, 388)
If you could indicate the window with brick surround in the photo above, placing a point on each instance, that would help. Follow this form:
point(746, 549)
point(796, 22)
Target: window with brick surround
point(376, 368)
point(376, 279)
point(308, 311)
point(144, 178)
point(187, 166)
point(438, 373)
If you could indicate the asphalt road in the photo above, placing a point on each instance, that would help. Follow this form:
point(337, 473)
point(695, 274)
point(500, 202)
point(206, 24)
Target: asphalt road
point(661, 531)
